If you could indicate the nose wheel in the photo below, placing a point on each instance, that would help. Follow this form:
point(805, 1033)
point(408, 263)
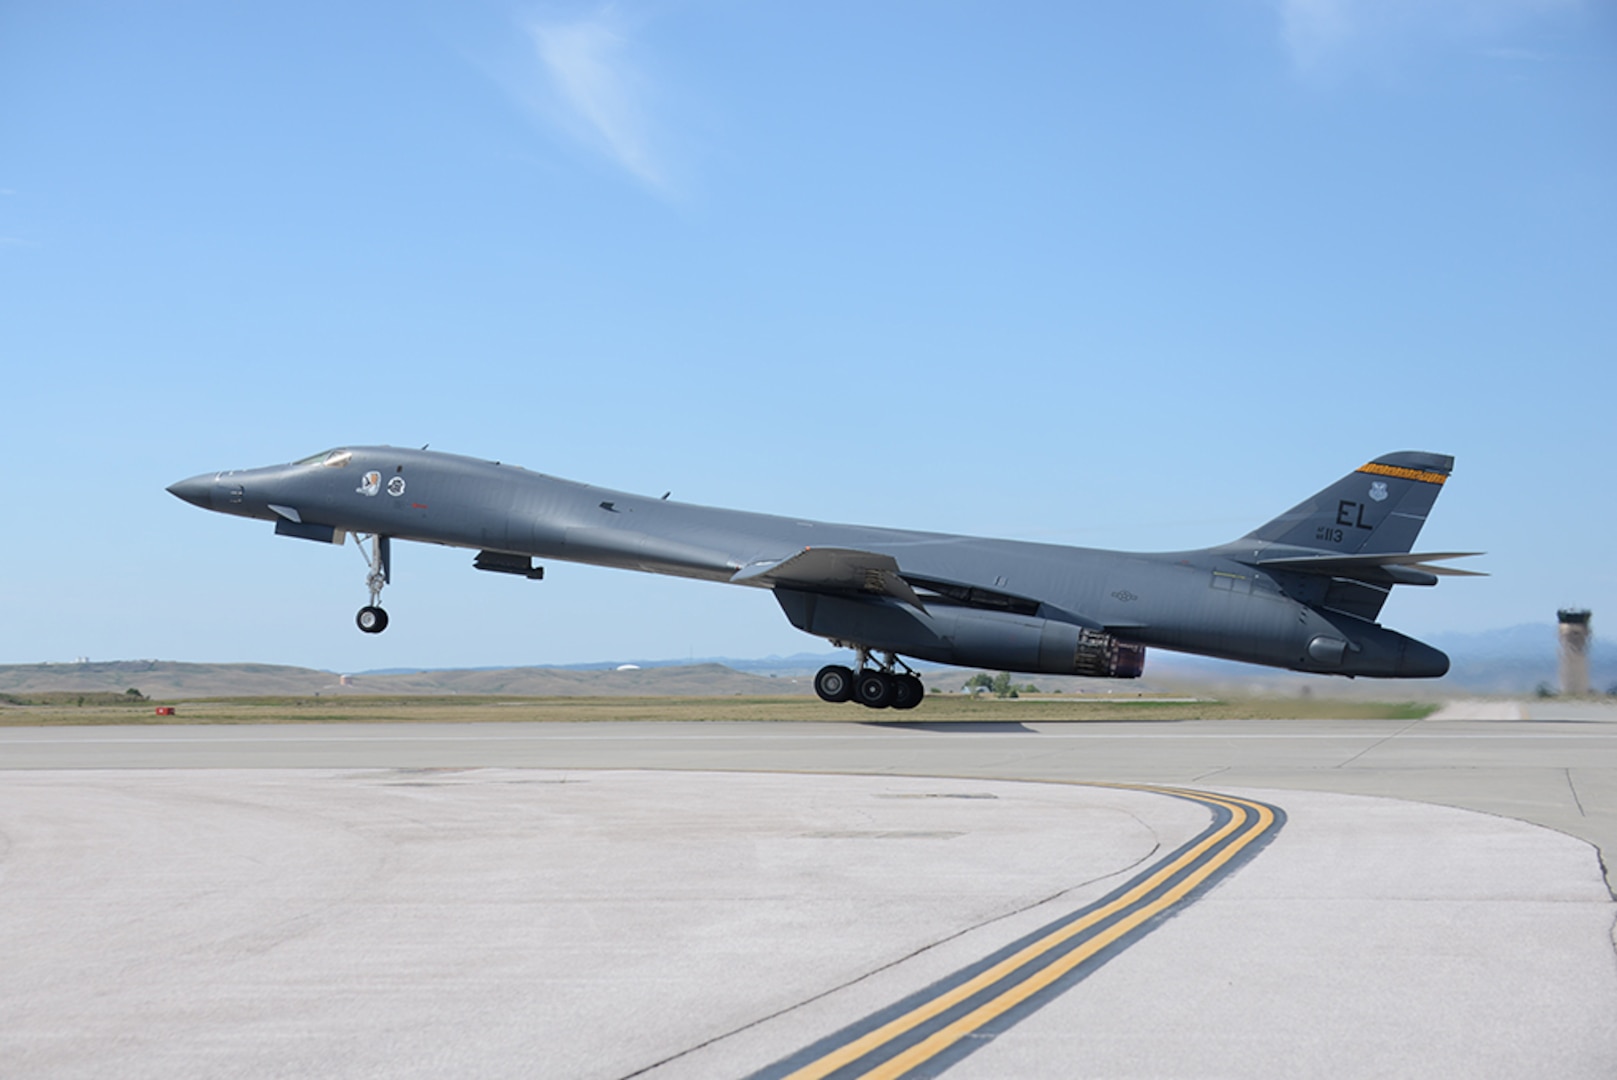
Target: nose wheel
point(379, 565)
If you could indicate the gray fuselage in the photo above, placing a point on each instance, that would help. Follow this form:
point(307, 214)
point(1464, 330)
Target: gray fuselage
point(1211, 601)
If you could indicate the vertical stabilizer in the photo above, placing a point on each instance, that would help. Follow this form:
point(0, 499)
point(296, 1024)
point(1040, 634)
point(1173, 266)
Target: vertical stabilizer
point(1377, 509)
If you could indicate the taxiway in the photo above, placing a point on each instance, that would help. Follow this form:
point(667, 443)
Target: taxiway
point(697, 900)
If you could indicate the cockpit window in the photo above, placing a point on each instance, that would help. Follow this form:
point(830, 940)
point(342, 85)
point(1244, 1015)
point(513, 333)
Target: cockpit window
point(331, 459)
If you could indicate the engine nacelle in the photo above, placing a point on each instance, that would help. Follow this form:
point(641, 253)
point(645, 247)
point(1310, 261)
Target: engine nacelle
point(964, 636)
point(1101, 655)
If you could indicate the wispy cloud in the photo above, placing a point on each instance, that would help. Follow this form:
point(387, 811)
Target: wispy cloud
point(1313, 27)
point(1319, 33)
point(597, 91)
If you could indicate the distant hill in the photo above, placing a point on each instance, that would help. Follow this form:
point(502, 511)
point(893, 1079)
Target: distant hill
point(168, 681)
point(1518, 659)
point(803, 663)
point(1515, 660)
point(164, 679)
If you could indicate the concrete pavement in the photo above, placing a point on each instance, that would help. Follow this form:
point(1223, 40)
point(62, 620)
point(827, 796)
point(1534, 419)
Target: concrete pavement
point(512, 899)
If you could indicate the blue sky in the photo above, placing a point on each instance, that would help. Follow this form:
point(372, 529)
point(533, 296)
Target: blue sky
point(1134, 276)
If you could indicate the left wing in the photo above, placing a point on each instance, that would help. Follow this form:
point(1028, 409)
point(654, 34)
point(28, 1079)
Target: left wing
point(829, 569)
point(850, 571)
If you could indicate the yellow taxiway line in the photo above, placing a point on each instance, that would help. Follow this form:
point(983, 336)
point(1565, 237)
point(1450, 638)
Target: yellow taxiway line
point(1019, 978)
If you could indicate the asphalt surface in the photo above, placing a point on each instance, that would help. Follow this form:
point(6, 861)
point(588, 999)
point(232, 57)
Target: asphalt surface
point(550, 900)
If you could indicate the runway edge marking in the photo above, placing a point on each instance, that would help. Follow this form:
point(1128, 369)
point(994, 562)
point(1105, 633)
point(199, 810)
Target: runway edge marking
point(926, 1032)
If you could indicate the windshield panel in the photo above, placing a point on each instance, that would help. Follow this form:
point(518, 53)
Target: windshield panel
point(331, 459)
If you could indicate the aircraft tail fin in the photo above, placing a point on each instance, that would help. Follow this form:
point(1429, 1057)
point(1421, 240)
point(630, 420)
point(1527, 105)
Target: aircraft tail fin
point(1377, 509)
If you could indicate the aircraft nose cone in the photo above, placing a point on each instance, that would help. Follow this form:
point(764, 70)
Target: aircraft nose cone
point(198, 491)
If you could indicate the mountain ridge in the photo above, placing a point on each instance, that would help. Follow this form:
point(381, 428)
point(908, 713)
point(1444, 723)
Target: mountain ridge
point(1512, 660)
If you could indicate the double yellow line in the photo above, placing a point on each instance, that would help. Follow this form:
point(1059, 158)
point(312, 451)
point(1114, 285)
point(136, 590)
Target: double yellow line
point(921, 1031)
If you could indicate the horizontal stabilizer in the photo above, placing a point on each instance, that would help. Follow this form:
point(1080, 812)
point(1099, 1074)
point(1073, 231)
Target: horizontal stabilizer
point(833, 570)
point(1405, 568)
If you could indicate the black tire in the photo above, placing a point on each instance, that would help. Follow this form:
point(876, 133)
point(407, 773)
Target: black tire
point(834, 683)
point(907, 691)
point(372, 620)
point(873, 689)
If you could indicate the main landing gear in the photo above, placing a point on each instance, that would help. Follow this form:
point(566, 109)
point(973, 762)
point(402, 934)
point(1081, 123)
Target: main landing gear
point(371, 618)
point(873, 687)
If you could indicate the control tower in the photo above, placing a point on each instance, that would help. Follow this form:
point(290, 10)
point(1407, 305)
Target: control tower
point(1574, 651)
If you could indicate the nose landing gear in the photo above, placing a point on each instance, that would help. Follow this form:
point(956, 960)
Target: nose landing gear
point(371, 618)
point(873, 687)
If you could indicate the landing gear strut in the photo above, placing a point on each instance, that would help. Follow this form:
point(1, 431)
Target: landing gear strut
point(371, 618)
point(879, 687)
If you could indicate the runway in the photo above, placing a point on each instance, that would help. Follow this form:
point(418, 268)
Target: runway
point(552, 900)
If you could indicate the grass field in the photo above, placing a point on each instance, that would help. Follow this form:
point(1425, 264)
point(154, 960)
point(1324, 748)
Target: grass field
point(943, 708)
